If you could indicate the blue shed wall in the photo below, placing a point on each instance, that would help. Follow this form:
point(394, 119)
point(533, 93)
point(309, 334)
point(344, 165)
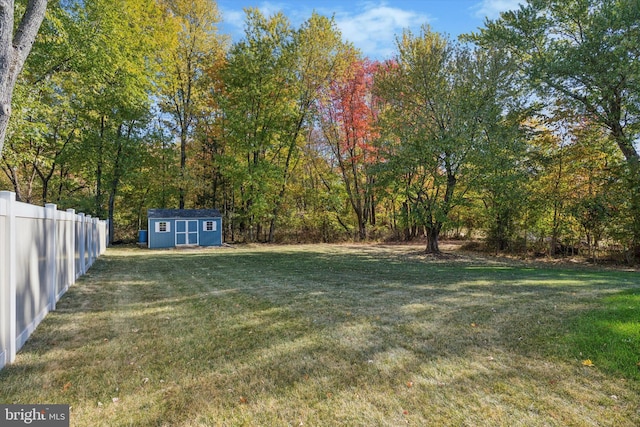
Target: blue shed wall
point(162, 240)
point(210, 238)
point(158, 240)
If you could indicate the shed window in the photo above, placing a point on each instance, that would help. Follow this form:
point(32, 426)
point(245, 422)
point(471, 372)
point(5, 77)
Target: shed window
point(209, 226)
point(163, 227)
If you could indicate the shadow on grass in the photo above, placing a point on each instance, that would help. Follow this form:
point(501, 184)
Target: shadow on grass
point(175, 334)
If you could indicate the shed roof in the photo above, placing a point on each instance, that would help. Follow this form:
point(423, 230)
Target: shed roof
point(183, 213)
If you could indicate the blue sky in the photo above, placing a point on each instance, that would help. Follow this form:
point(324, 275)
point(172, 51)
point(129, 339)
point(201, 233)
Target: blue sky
point(372, 25)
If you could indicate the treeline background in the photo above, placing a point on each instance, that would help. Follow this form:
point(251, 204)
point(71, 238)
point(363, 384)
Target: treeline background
point(523, 135)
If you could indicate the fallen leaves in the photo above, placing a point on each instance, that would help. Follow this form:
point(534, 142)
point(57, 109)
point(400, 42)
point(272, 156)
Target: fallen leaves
point(587, 362)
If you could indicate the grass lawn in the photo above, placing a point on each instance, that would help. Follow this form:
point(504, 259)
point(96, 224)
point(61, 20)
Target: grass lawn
point(324, 335)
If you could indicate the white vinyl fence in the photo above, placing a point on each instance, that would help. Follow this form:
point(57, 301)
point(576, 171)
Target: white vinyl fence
point(42, 252)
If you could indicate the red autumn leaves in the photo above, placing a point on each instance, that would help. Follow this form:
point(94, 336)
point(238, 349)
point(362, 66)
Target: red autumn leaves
point(348, 113)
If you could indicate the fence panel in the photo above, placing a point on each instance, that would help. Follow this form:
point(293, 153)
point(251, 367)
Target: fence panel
point(42, 252)
point(65, 268)
point(79, 239)
point(30, 248)
point(5, 294)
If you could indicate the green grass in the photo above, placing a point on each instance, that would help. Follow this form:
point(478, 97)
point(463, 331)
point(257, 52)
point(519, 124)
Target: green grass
point(609, 334)
point(335, 335)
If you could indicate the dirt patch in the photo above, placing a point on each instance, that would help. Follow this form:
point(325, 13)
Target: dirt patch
point(459, 251)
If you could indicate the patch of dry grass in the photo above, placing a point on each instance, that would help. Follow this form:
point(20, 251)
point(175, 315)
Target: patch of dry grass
point(332, 335)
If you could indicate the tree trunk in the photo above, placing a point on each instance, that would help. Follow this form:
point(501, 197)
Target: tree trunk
point(634, 194)
point(362, 227)
point(432, 234)
point(100, 150)
point(118, 172)
point(112, 203)
point(183, 168)
point(14, 50)
point(46, 178)
point(272, 225)
point(435, 226)
point(625, 143)
point(12, 174)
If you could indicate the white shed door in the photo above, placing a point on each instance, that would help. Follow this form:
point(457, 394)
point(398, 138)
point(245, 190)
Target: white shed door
point(186, 232)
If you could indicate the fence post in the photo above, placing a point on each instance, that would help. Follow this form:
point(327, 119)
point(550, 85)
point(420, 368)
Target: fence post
point(8, 281)
point(51, 232)
point(3, 268)
point(104, 232)
point(89, 236)
point(96, 239)
point(81, 240)
point(71, 256)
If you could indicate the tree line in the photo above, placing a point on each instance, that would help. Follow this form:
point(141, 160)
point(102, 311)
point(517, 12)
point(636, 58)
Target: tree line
point(524, 133)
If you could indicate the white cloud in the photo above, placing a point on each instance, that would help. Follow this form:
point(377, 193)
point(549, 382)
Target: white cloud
point(371, 28)
point(235, 19)
point(492, 8)
point(374, 29)
point(269, 9)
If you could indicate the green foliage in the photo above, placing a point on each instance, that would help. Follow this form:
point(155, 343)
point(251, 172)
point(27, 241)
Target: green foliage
point(188, 66)
point(441, 104)
point(271, 81)
point(527, 137)
point(258, 102)
point(44, 126)
point(581, 53)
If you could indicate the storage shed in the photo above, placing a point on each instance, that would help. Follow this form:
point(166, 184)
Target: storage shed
point(170, 228)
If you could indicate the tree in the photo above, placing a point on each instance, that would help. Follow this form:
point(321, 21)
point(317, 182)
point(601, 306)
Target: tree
point(271, 81)
point(585, 53)
point(552, 182)
point(319, 54)
point(348, 119)
point(596, 189)
point(436, 97)
point(578, 182)
point(14, 49)
point(500, 178)
point(44, 127)
point(119, 66)
point(186, 88)
point(258, 101)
